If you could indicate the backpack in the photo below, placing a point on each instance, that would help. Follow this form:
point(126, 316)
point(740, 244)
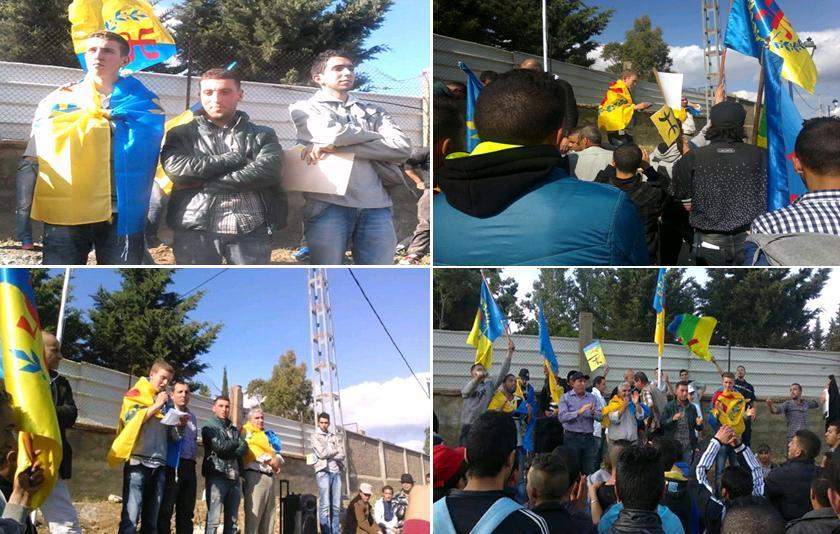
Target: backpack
point(491, 519)
point(797, 248)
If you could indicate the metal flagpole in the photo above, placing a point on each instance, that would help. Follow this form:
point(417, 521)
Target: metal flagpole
point(59, 329)
point(545, 35)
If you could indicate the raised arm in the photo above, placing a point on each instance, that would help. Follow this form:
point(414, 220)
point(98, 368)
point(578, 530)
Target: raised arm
point(746, 457)
point(505, 366)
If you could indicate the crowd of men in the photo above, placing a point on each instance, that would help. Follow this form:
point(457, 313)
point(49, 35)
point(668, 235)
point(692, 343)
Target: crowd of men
point(642, 458)
point(226, 201)
point(702, 200)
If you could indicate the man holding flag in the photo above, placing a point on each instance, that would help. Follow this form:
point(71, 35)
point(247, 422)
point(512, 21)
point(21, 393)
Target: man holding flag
point(92, 190)
point(615, 113)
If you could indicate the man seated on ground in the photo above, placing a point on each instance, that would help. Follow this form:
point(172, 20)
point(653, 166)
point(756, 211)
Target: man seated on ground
point(817, 160)
point(359, 518)
point(483, 506)
point(639, 486)
point(547, 488)
point(586, 156)
point(649, 194)
point(822, 519)
point(736, 480)
point(788, 487)
point(510, 202)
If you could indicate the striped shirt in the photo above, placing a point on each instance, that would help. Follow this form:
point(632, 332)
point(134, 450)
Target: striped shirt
point(813, 212)
point(796, 414)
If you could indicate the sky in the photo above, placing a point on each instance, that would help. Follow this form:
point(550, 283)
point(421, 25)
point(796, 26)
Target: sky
point(828, 302)
point(681, 25)
point(266, 313)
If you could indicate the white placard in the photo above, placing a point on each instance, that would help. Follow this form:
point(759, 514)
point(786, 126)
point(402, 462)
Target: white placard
point(329, 175)
point(671, 84)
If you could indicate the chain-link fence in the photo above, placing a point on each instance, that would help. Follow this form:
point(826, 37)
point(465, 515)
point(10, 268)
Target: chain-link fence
point(770, 371)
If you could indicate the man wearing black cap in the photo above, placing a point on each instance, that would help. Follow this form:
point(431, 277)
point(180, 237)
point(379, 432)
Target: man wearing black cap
point(725, 185)
point(401, 498)
point(578, 411)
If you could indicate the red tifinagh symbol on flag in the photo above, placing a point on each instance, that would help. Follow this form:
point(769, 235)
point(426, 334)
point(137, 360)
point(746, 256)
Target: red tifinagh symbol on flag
point(141, 43)
point(133, 393)
point(618, 90)
point(693, 342)
point(24, 324)
point(777, 17)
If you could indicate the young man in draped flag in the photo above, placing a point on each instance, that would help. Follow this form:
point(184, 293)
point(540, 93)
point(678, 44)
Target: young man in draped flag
point(262, 461)
point(728, 409)
point(96, 143)
point(141, 445)
point(615, 113)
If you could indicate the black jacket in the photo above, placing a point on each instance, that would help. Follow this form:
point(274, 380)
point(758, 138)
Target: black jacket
point(65, 409)
point(649, 197)
point(822, 521)
point(788, 488)
point(204, 160)
point(637, 522)
point(223, 449)
point(561, 518)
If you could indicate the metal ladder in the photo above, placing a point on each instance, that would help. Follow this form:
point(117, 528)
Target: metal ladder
point(711, 48)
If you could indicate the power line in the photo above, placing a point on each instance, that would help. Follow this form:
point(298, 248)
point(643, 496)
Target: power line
point(426, 393)
point(183, 295)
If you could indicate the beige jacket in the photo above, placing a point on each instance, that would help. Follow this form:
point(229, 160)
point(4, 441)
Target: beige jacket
point(327, 447)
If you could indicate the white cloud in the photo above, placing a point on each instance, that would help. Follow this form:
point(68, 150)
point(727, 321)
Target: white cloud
point(600, 63)
point(412, 444)
point(396, 410)
point(746, 95)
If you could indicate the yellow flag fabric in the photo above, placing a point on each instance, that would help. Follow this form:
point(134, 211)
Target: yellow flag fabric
point(594, 353)
point(483, 346)
point(614, 405)
point(27, 379)
point(257, 441)
point(135, 405)
point(72, 134)
point(666, 124)
point(616, 109)
point(554, 388)
point(149, 41)
point(500, 403)
point(732, 414)
point(680, 114)
point(161, 178)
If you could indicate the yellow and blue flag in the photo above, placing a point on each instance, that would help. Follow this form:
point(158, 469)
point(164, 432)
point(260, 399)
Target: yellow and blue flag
point(149, 41)
point(474, 86)
point(489, 324)
point(616, 109)
point(659, 308)
point(77, 139)
point(694, 332)
point(27, 379)
point(135, 405)
point(260, 443)
point(549, 357)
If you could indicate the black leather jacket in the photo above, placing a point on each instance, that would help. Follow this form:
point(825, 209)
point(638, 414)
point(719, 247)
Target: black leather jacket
point(637, 522)
point(204, 160)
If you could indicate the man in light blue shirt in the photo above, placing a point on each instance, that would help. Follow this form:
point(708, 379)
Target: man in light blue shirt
point(577, 412)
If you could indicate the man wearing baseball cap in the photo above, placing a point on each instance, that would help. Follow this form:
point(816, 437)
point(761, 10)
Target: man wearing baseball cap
point(358, 518)
point(578, 411)
point(723, 186)
point(401, 498)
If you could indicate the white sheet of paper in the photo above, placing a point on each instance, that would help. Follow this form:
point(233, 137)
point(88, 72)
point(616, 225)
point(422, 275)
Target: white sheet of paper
point(172, 417)
point(330, 175)
point(671, 84)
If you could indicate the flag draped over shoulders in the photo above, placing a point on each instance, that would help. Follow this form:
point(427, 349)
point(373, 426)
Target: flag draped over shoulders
point(616, 109)
point(27, 380)
point(732, 411)
point(135, 405)
point(78, 142)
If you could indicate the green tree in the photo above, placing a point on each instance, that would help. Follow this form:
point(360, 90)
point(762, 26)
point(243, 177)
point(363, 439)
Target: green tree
point(643, 47)
point(427, 442)
point(817, 336)
point(832, 337)
point(762, 307)
point(201, 388)
point(518, 26)
point(36, 31)
point(275, 40)
point(225, 391)
point(48, 298)
point(142, 321)
point(288, 393)
point(456, 296)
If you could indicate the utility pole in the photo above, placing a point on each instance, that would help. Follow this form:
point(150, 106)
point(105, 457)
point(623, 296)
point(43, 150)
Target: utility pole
point(711, 48)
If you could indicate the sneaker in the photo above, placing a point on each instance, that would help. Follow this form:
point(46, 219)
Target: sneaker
point(411, 259)
point(27, 246)
point(301, 254)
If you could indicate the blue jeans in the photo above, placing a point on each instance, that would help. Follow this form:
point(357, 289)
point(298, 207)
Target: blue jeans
point(584, 446)
point(198, 247)
point(142, 494)
point(331, 228)
point(720, 462)
point(27, 175)
point(70, 245)
point(329, 501)
point(222, 492)
point(719, 249)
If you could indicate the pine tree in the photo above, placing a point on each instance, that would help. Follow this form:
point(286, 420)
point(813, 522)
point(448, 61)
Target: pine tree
point(817, 336)
point(275, 40)
point(762, 307)
point(36, 31)
point(288, 393)
point(518, 26)
point(832, 337)
point(456, 297)
point(643, 47)
point(48, 299)
point(225, 392)
point(142, 321)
